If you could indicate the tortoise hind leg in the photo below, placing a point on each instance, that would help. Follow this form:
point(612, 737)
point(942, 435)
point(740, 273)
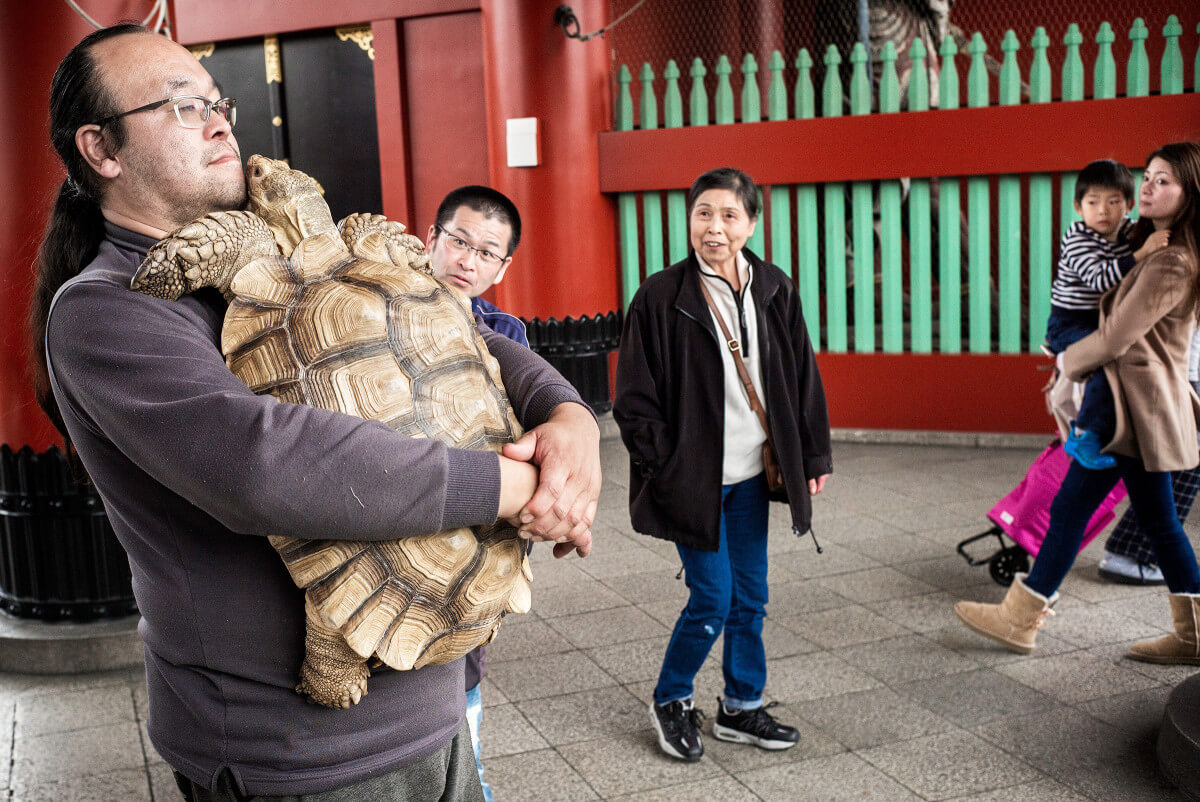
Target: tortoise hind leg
point(398, 247)
point(333, 674)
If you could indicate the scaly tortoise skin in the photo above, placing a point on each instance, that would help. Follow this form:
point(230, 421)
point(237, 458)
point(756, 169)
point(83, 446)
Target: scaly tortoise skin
point(356, 323)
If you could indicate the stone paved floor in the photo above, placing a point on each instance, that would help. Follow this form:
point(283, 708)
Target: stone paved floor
point(894, 700)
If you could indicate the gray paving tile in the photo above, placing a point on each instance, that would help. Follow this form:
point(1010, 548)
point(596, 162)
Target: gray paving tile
point(875, 584)
point(843, 626)
point(928, 612)
point(664, 612)
point(604, 564)
point(871, 718)
point(519, 639)
point(840, 778)
point(972, 698)
point(903, 659)
point(796, 598)
point(898, 547)
point(1040, 791)
point(162, 783)
point(536, 775)
point(780, 641)
point(950, 573)
point(41, 714)
point(605, 627)
point(573, 598)
point(949, 764)
point(1087, 625)
point(550, 572)
point(547, 675)
point(836, 560)
point(629, 764)
point(505, 731)
point(812, 676)
point(1138, 714)
point(649, 586)
point(727, 789)
point(852, 530)
point(919, 518)
point(128, 785)
point(586, 715)
point(633, 661)
point(489, 694)
point(1076, 677)
point(80, 753)
point(989, 653)
point(1092, 758)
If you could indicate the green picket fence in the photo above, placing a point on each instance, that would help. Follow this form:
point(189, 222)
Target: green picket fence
point(822, 265)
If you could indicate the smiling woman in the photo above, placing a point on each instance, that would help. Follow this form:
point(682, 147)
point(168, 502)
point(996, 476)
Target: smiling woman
point(679, 382)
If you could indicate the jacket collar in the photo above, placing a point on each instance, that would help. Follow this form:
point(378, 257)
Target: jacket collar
point(690, 300)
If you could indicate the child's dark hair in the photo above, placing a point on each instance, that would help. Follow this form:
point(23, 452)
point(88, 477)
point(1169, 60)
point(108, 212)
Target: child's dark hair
point(1105, 174)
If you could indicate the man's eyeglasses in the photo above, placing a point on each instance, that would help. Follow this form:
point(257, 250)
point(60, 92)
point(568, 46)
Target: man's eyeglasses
point(461, 246)
point(192, 111)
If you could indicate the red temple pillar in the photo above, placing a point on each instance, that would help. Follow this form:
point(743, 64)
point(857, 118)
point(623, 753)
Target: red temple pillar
point(566, 264)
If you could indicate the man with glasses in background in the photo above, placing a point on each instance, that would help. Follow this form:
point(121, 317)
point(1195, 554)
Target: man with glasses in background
point(470, 246)
point(196, 471)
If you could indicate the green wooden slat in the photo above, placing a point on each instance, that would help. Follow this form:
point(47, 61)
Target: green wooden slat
point(1104, 77)
point(724, 101)
point(920, 252)
point(979, 308)
point(835, 218)
point(1041, 206)
point(1196, 65)
point(809, 260)
point(627, 201)
point(677, 231)
point(752, 113)
point(890, 239)
point(781, 202)
point(1171, 80)
point(1072, 89)
point(1008, 246)
point(949, 230)
point(651, 201)
point(862, 211)
point(1137, 72)
point(698, 99)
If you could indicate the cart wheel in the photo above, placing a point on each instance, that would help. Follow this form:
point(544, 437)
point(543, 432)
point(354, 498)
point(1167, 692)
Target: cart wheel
point(1007, 563)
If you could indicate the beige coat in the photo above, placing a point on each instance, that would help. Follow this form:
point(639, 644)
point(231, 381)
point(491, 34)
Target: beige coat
point(1146, 325)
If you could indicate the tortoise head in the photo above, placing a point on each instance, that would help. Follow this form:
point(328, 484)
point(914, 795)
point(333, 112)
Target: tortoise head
point(288, 200)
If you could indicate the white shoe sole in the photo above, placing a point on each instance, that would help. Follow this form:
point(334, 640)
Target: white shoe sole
point(739, 737)
point(665, 745)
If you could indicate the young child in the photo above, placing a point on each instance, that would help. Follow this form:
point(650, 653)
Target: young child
point(1095, 255)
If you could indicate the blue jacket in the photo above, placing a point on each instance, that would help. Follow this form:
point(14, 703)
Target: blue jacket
point(500, 322)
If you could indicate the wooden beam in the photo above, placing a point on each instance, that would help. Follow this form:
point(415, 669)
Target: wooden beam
point(391, 120)
point(199, 21)
point(1044, 137)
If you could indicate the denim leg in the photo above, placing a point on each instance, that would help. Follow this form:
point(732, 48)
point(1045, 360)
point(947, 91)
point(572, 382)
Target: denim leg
point(1150, 494)
point(1127, 539)
point(1080, 494)
point(474, 722)
point(1098, 411)
point(709, 581)
point(744, 526)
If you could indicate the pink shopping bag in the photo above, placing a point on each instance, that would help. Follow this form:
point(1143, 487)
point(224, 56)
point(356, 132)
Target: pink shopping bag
point(1024, 514)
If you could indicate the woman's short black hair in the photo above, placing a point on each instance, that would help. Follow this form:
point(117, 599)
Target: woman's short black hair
point(730, 178)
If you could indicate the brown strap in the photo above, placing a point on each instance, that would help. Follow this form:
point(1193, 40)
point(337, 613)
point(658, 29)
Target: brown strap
point(735, 349)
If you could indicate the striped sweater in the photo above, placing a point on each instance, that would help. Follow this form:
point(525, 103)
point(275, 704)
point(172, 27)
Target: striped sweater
point(1089, 266)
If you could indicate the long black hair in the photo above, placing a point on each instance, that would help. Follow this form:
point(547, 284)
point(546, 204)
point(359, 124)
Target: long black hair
point(75, 229)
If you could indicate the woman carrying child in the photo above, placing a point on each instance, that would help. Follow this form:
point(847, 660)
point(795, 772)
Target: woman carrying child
point(1145, 328)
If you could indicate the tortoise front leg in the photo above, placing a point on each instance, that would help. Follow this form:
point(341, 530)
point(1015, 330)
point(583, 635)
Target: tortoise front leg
point(207, 252)
point(332, 674)
point(399, 248)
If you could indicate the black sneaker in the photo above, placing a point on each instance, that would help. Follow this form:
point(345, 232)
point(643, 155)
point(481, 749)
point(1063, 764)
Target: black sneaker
point(755, 726)
point(678, 728)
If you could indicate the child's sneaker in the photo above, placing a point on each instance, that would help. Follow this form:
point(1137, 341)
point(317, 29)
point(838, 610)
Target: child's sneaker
point(1084, 447)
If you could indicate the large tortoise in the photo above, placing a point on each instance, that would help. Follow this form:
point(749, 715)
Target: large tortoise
point(355, 322)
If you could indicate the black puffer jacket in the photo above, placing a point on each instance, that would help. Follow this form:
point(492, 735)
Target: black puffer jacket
point(670, 402)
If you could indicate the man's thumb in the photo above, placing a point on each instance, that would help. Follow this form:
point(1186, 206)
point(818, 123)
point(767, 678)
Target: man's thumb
point(522, 450)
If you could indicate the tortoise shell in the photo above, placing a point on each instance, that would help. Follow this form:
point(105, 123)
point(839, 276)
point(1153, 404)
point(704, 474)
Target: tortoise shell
point(331, 329)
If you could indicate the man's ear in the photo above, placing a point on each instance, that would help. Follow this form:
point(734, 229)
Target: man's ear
point(500, 273)
point(430, 237)
point(93, 146)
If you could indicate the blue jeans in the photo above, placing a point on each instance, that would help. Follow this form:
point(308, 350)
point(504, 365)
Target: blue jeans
point(475, 721)
point(1081, 493)
point(728, 591)
point(1097, 411)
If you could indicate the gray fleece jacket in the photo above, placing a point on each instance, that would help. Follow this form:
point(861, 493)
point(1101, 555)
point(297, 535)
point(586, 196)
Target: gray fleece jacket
point(195, 471)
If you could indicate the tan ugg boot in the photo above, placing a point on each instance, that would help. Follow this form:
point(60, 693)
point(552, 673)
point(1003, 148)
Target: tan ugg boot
point(1013, 622)
point(1180, 648)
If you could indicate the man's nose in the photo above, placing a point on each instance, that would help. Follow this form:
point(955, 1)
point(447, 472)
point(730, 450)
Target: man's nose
point(217, 126)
